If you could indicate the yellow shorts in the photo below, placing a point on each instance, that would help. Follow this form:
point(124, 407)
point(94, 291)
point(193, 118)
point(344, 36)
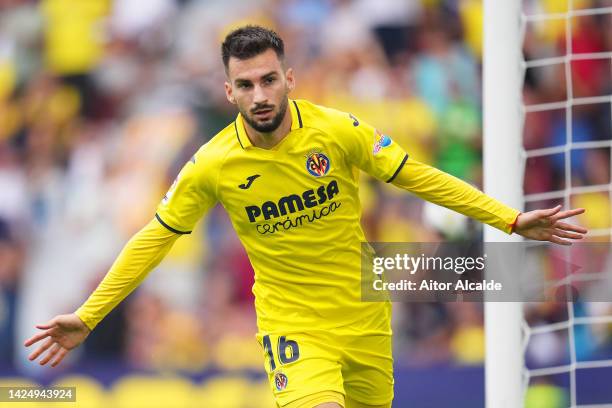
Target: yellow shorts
point(300, 365)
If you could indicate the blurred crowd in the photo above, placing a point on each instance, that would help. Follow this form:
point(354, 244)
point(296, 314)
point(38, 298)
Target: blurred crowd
point(102, 102)
point(587, 83)
point(567, 137)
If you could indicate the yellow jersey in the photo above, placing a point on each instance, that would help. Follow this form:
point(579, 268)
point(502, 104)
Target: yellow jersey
point(296, 209)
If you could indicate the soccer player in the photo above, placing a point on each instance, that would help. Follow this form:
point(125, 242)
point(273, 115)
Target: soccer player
point(286, 171)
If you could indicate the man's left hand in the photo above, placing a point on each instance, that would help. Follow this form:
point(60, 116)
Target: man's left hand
point(546, 225)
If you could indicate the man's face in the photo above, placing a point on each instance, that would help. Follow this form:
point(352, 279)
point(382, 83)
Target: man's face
point(259, 87)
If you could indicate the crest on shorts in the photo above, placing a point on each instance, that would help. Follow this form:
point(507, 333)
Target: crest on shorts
point(380, 141)
point(280, 381)
point(317, 164)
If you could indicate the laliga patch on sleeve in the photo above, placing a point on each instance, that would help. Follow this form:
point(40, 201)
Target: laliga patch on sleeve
point(380, 141)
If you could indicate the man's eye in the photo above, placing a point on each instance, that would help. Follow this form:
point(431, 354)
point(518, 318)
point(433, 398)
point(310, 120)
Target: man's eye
point(269, 80)
point(243, 86)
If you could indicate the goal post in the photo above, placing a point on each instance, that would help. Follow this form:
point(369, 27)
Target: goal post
point(509, 335)
point(503, 175)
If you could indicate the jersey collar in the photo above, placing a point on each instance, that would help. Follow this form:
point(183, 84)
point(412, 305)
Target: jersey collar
point(243, 139)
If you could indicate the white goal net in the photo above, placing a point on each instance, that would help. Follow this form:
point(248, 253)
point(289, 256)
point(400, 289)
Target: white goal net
point(550, 92)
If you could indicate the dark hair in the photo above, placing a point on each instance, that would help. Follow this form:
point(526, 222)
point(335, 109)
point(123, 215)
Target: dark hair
point(249, 41)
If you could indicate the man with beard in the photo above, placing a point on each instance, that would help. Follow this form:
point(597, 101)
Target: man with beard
point(287, 173)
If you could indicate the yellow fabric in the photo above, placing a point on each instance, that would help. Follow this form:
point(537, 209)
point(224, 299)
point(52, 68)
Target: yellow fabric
point(448, 191)
point(322, 397)
point(8, 78)
point(358, 366)
point(74, 36)
point(298, 216)
point(287, 206)
point(471, 12)
point(142, 253)
point(410, 121)
point(351, 403)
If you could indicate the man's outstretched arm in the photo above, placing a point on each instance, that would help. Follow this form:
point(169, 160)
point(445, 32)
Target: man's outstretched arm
point(191, 195)
point(141, 254)
point(448, 191)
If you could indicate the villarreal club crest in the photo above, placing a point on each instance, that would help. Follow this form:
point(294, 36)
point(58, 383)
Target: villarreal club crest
point(317, 164)
point(280, 381)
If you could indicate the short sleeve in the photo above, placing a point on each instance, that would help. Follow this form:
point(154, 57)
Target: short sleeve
point(371, 150)
point(191, 195)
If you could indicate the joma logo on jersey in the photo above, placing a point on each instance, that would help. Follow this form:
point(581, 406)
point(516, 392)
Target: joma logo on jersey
point(293, 202)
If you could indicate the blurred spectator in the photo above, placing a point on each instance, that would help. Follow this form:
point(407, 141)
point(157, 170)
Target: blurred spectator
point(11, 265)
point(545, 394)
point(74, 43)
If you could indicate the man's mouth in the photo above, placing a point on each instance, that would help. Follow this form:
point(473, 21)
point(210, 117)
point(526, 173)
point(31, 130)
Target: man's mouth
point(263, 113)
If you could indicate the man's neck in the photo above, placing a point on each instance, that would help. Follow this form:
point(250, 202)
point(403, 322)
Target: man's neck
point(267, 140)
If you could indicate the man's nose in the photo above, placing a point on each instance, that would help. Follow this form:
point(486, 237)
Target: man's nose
point(259, 95)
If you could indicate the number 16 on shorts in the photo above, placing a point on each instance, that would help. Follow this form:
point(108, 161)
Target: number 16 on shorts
point(286, 351)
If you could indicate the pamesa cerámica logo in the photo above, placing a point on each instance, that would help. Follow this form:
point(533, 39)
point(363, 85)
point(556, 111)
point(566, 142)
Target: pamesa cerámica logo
point(320, 199)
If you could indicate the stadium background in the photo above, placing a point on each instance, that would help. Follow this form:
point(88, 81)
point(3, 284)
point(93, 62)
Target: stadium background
point(100, 105)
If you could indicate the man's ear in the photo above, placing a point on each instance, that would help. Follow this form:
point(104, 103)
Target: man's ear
point(228, 93)
point(290, 79)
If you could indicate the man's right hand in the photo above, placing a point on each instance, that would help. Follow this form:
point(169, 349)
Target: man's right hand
point(63, 333)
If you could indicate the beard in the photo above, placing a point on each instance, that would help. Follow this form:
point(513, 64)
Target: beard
point(268, 125)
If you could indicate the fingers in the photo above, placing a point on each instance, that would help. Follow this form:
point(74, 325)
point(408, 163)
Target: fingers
point(569, 227)
point(34, 355)
point(565, 234)
point(550, 211)
point(36, 338)
point(47, 325)
point(559, 241)
point(60, 356)
point(54, 350)
point(568, 213)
